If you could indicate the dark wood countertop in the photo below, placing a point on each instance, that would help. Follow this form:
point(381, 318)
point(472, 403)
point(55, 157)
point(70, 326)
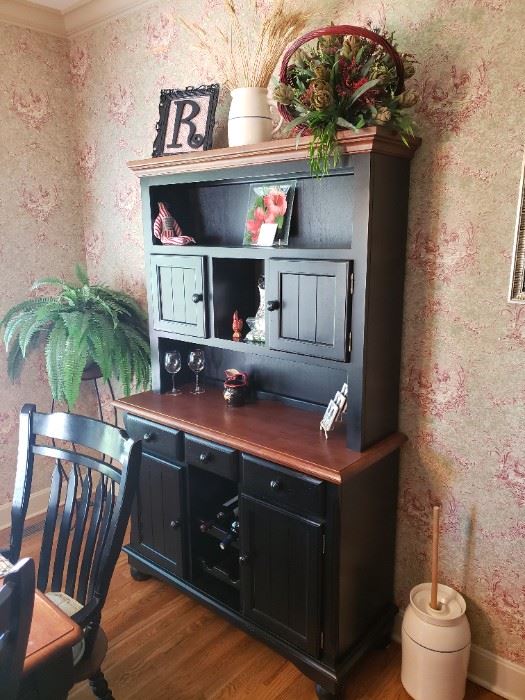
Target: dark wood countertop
point(268, 429)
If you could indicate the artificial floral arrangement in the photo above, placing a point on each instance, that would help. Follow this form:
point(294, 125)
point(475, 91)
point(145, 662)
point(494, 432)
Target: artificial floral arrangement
point(82, 326)
point(345, 82)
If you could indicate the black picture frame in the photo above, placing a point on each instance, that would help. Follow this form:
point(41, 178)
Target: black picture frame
point(172, 112)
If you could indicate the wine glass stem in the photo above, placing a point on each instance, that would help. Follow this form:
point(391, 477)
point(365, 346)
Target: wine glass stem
point(173, 383)
point(196, 382)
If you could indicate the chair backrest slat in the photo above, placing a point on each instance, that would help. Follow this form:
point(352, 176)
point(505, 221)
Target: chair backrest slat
point(91, 540)
point(89, 503)
point(49, 526)
point(107, 514)
point(65, 528)
point(78, 535)
point(17, 597)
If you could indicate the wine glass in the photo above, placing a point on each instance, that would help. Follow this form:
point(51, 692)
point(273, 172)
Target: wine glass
point(173, 364)
point(196, 363)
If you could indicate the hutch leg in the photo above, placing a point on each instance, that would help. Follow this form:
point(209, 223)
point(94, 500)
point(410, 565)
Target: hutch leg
point(324, 694)
point(137, 575)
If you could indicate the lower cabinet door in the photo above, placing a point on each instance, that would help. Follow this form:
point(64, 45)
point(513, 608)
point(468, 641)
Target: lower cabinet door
point(157, 519)
point(281, 566)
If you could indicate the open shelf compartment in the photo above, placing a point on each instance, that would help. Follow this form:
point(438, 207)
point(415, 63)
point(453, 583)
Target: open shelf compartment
point(214, 213)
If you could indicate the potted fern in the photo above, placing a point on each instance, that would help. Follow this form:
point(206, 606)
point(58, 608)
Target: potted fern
point(86, 331)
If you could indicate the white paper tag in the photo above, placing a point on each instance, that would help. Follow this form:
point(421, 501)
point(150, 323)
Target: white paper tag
point(267, 234)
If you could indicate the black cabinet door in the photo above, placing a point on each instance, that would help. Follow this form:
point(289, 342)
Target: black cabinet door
point(310, 307)
point(281, 562)
point(178, 294)
point(157, 520)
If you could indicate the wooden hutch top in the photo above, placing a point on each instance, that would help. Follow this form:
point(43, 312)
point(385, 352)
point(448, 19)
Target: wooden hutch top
point(370, 140)
point(268, 429)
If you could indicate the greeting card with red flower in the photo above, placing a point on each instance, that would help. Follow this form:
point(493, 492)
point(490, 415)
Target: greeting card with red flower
point(269, 203)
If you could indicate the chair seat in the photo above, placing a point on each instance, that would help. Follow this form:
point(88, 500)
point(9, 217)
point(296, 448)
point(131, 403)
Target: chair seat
point(83, 668)
point(70, 606)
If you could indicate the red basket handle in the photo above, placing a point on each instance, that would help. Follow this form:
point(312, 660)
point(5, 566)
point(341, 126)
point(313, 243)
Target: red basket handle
point(346, 29)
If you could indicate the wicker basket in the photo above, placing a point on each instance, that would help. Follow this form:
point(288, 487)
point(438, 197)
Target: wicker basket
point(338, 30)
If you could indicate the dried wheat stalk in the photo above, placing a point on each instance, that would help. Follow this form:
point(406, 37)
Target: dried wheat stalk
point(251, 57)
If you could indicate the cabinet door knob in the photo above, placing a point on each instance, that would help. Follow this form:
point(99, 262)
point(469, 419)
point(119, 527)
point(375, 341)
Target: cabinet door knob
point(148, 437)
point(175, 524)
point(243, 558)
point(272, 305)
point(204, 457)
point(196, 298)
point(275, 484)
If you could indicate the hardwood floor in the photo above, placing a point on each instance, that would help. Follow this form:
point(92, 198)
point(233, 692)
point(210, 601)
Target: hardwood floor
point(165, 646)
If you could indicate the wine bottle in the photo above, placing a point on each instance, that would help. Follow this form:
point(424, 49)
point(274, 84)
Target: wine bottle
point(229, 510)
point(232, 535)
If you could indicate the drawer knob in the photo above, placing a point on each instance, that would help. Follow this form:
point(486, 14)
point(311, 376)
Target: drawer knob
point(148, 437)
point(275, 484)
point(175, 524)
point(204, 457)
point(272, 305)
point(243, 558)
point(196, 298)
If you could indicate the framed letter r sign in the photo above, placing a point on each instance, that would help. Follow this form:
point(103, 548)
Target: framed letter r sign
point(186, 120)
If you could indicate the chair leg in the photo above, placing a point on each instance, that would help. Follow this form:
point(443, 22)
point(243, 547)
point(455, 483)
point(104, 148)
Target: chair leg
point(100, 687)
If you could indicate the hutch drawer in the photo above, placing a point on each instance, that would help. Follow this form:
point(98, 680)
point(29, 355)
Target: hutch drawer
point(218, 459)
point(156, 439)
point(282, 487)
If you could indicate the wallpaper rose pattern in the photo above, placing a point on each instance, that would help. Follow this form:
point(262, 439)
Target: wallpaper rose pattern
point(40, 223)
point(463, 384)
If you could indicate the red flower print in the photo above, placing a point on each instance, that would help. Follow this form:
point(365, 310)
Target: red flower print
point(78, 65)
point(31, 106)
point(120, 104)
point(254, 225)
point(276, 205)
point(449, 100)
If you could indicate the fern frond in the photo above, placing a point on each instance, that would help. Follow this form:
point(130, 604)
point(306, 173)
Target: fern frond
point(49, 282)
point(15, 361)
point(82, 275)
point(54, 353)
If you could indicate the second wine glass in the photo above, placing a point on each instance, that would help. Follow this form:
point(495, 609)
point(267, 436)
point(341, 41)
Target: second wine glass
point(196, 363)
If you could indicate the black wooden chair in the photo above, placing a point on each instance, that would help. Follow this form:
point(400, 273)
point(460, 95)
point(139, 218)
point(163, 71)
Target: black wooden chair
point(17, 596)
point(89, 506)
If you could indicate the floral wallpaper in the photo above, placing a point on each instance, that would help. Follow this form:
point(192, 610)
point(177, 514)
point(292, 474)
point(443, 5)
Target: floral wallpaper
point(40, 223)
point(463, 385)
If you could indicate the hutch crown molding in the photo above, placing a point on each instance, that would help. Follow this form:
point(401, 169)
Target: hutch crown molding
point(251, 510)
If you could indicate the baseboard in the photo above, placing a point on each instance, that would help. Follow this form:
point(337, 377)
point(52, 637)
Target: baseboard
point(495, 673)
point(37, 506)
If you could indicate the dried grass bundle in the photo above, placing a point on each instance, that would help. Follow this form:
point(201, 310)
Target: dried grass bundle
point(249, 49)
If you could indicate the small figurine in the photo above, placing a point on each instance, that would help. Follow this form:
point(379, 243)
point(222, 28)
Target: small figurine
point(237, 325)
point(167, 230)
point(257, 333)
point(235, 387)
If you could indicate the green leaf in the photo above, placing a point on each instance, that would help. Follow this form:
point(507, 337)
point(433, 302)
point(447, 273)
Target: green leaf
point(55, 358)
point(340, 121)
point(15, 361)
point(82, 275)
point(49, 282)
point(361, 91)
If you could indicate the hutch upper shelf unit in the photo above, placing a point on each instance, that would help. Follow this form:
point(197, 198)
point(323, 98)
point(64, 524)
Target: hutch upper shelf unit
point(334, 294)
point(251, 510)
